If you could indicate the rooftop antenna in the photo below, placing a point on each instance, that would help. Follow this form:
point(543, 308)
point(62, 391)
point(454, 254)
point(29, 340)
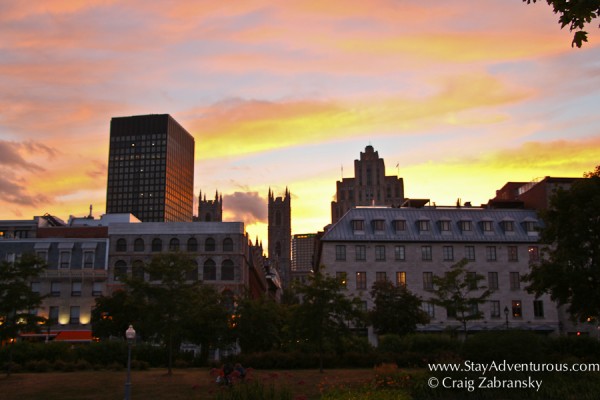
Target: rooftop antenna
point(342, 171)
point(90, 215)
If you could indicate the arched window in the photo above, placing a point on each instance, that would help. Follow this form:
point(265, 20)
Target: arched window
point(120, 271)
point(210, 270)
point(209, 244)
point(138, 245)
point(121, 245)
point(228, 300)
point(137, 270)
point(227, 273)
point(156, 244)
point(192, 274)
point(174, 244)
point(227, 244)
point(192, 245)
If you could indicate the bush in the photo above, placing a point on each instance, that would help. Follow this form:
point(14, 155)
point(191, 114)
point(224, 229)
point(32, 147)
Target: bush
point(417, 350)
point(512, 346)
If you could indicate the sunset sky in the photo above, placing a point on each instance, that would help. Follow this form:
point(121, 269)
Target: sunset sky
point(462, 95)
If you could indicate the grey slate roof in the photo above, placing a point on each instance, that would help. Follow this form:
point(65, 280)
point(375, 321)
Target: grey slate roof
point(343, 231)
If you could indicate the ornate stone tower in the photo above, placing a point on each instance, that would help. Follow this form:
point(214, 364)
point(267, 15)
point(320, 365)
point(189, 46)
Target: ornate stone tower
point(210, 210)
point(280, 234)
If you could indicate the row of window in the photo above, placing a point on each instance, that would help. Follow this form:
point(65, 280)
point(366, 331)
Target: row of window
point(444, 225)
point(174, 245)
point(380, 276)
point(448, 254)
point(209, 271)
point(56, 288)
point(515, 310)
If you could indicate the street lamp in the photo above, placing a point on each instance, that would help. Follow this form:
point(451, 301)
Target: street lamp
point(130, 335)
point(506, 315)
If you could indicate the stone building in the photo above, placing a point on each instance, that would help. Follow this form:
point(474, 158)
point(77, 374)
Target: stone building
point(280, 235)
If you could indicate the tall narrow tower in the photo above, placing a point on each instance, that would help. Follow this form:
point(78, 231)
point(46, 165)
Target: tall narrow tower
point(210, 210)
point(280, 234)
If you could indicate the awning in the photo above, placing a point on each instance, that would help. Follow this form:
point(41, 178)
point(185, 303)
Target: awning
point(74, 336)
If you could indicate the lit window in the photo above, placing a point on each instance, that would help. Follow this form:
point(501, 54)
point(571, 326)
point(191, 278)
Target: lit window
point(534, 254)
point(401, 278)
point(341, 278)
point(516, 309)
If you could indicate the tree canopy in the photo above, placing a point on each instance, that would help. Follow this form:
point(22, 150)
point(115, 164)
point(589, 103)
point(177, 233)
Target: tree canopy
point(396, 309)
point(575, 14)
point(569, 266)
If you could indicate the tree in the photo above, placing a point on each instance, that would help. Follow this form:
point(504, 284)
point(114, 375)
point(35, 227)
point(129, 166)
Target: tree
point(569, 264)
point(113, 314)
point(458, 291)
point(259, 324)
point(575, 14)
point(17, 299)
point(325, 313)
point(396, 310)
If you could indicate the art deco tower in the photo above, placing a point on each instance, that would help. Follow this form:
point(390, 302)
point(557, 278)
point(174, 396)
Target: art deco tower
point(150, 169)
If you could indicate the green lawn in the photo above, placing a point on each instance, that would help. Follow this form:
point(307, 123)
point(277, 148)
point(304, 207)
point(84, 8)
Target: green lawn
point(155, 384)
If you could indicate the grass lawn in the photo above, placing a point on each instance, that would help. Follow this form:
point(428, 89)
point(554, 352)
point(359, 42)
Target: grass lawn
point(155, 384)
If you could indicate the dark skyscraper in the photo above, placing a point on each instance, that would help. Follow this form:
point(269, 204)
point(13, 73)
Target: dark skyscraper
point(150, 169)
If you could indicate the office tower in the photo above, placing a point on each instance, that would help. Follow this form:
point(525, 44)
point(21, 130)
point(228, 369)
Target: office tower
point(150, 169)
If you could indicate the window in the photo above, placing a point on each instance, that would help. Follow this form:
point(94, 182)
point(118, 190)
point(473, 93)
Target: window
point(379, 225)
point(493, 280)
point(227, 270)
point(471, 280)
point(487, 226)
point(55, 289)
point(428, 280)
point(97, 289)
point(379, 253)
point(515, 281)
point(400, 278)
point(74, 315)
point(42, 254)
point(399, 253)
point(361, 280)
point(65, 259)
point(209, 270)
point(88, 259)
point(380, 276)
point(423, 225)
point(448, 252)
point(156, 245)
point(358, 225)
point(429, 308)
point(120, 270)
point(530, 226)
point(227, 244)
point(209, 244)
point(174, 244)
point(53, 314)
point(76, 288)
point(399, 225)
point(465, 226)
point(509, 226)
point(445, 226)
point(426, 253)
point(513, 254)
point(538, 309)
point(192, 245)
point(360, 252)
point(490, 253)
point(138, 244)
point(516, 309)
point(534, 254)
point(470, 253)
point(341, 277)
point(121, 245)
point(494, 309)
point(340, 252)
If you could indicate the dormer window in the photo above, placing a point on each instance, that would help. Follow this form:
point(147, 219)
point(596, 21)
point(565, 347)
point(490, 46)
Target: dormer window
point(378, 225)
point(358, 225)
point(465, 225)
point(399, 225)
point(508, 226)
point(487, 226)
point(444, 225)
point(423, 225)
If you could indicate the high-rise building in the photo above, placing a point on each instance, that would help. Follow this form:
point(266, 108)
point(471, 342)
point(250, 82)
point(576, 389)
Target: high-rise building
point(303, 252)
point(280, 234)
point(369, 187)
point(150, 169)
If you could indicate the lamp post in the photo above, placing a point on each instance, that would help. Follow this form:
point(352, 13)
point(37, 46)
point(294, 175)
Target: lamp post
point(506, 315)
point(130, 335)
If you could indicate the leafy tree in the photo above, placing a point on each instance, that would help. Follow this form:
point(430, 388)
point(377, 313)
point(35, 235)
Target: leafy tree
point(17, 300)
point(259, 324)
point(113, 314)
point(569, 266)
point(397, 310)
point(326, 313)
point(458, 291)
point(575, 14)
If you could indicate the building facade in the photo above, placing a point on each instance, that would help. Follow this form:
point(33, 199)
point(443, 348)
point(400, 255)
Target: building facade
point(303, 252)
point(280, 235)
point(409, 246)
point(369, 187)
point(150, 169)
